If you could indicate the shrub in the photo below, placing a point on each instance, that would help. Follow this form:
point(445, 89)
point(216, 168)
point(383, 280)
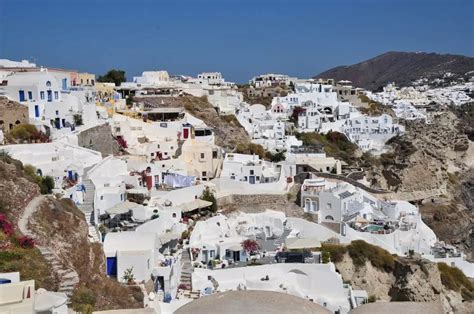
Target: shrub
point(276, 157)
point(26, 242)
point(77, 119)
point(454, 279)
point(46, 185)
point(250, 246)
point(361, 251)
point(5, 225)
point(335, 252)
point(83, 300)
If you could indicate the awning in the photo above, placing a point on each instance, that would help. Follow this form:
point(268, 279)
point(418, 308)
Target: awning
point(302, 243)
point(193, 205)
point(235, 248)
point(122, 208)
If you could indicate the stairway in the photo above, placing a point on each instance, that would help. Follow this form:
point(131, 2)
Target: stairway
point(68, 278)
point(187, 269)
point(186, 274)
point(87, 207)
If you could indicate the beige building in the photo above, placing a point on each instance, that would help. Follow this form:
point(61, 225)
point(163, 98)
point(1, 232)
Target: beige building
point(202, 158)
point(12, 114)
point(84, 79)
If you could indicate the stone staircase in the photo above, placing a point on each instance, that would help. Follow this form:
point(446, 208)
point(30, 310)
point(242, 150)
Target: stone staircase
point(186, 273)
point(87, 207)
point(68, 277)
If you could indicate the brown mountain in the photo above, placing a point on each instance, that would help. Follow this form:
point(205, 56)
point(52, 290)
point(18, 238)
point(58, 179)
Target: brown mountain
point(400, 67)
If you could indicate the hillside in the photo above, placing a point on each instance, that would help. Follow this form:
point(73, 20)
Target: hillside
point(400, 67)
point(392, 278)
point(48, 242)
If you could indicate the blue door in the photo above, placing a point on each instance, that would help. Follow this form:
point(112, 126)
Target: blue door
point(21, 95)
point(30, 95)
point(50, 95)
point(252, 179)
point(37, 111)
point(112, 266)
point(65, 84)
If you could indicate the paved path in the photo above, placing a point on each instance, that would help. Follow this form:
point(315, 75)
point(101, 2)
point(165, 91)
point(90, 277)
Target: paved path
point(67, 276)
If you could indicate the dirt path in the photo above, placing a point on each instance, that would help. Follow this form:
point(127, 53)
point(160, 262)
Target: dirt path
point(68, 277)
point(27, 213)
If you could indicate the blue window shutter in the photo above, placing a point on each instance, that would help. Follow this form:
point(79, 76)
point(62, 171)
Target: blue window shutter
point(21, 95)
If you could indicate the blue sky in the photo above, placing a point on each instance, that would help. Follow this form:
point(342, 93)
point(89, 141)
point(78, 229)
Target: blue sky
point(239, 38)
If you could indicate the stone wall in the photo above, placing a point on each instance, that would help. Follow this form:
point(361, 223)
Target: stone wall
point(256, 203)
point(100, 139)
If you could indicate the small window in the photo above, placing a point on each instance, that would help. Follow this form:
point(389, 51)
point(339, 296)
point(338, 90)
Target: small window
point(204, 173)
point(56, 95)
point(101, 197)
point(174, 215)
point(48, 83)
point(57, 112)
point(202, 155)
point(251, 172)
point(42, 95)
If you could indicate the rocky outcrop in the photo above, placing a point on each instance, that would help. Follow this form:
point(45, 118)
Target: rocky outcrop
point(411, 279)
point(60, 227)
point(99, 138)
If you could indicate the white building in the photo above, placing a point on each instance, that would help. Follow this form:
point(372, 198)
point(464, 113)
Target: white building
point(131, 250)
point(271, 80)
point(59, 160)
point(317, 282)
point(20, 297)
point(371, 133)
point(249, 168)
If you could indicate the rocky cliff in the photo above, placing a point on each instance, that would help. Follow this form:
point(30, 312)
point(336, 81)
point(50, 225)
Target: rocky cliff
point(410, 279)
point(433, 165)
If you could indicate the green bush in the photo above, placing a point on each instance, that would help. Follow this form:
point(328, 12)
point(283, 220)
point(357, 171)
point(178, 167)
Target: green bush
point(46, 185)
point(361, 251)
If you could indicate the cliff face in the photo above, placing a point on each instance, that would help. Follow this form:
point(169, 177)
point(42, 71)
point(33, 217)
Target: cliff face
point(432, 162)
point(410, 280)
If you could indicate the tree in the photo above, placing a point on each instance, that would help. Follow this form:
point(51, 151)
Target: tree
point(113, 76)
point(250, 246)
point(46, 185)
point(207, 195)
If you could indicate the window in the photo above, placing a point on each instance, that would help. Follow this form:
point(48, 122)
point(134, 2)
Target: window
point(56, 95)
point(204, 173)
point(174, 215)
point(211, 253)
point(101, 197)
point(202, 155)
point(328, 206)
point(48, 83)
point(30, 95)
point(251, 172)
point(57, 112)
point(21, 95)
point(42, 95)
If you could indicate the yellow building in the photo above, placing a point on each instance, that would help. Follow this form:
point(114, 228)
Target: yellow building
point(85, 79)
